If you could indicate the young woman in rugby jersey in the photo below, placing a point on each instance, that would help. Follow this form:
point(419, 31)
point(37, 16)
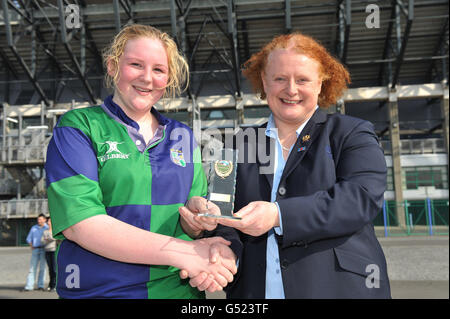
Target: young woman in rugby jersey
point(117, 174)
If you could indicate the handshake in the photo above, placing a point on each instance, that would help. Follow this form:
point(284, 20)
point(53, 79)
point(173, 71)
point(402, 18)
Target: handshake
point(218, 260)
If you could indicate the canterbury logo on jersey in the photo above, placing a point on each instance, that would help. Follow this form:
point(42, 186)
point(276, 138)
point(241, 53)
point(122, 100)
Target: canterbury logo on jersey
point(112, 152)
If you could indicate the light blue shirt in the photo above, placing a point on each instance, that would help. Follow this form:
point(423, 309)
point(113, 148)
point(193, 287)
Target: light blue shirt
point(274, 281)
point(35, 235)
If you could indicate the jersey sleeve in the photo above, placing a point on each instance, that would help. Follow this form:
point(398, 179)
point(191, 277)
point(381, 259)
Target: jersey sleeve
point(72, 184)
point(199, 184)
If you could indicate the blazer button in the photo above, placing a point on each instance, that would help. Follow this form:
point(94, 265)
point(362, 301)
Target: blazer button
point(282, 191)
point(284, 264)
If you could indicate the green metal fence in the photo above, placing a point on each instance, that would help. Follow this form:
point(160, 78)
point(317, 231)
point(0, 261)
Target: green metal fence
point(14, 231)
point(422, 217)
point(439, 215)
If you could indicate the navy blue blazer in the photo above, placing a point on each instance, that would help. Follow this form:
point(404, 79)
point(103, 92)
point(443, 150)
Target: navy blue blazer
point(330, 191)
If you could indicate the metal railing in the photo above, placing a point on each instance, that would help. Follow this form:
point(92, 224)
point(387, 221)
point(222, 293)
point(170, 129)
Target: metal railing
point(8, 186)
point(23, 208)
point(24, 154)
point(30, 146)
point(415, 177)
point(417, 146)
point(423, 217)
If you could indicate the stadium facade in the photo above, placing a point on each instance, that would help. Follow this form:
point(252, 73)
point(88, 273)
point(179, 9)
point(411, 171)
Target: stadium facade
point(396, 52)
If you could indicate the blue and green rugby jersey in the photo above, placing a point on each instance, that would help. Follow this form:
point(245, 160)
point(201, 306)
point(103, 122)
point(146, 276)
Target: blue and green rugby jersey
point(98, 163)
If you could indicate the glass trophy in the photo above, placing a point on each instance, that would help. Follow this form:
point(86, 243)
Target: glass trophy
point(222, 184)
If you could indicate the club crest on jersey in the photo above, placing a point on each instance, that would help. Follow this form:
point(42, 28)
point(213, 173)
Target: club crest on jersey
point(177, 157)
point(112, 152)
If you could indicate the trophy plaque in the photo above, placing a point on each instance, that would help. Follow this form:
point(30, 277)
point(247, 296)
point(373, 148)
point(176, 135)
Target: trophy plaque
point(222, 184)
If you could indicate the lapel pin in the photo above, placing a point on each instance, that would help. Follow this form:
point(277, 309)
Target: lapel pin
point(306, 138)
point(301, 148)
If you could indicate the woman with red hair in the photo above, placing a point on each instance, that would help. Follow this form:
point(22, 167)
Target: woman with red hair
point(306, 228)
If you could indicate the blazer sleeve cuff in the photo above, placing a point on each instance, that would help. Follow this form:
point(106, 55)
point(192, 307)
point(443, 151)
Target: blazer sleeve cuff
point(279, 229)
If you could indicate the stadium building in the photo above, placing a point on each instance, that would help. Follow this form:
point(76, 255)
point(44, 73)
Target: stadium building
point(396, 51)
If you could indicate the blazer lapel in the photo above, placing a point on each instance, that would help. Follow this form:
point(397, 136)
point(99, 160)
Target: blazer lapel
point(272, 163)
point(304, 141)
point(264, 146)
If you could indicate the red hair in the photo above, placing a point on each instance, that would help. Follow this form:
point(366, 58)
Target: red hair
point(334, 75)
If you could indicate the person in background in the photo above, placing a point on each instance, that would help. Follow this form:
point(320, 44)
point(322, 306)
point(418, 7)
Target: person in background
point(49, 244)
point(37, 254)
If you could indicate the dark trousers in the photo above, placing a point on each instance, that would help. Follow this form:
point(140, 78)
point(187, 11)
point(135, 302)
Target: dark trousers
point(50, 256)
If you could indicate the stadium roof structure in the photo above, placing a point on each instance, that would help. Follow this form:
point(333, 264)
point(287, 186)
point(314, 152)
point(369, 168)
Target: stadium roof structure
point(396, 52)
point(51, 50)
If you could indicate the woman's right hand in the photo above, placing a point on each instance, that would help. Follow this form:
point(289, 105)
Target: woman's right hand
point(218, 253)
point(217, 273)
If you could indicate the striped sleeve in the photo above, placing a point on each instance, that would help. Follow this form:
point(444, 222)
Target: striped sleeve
point(199, 184)
point(73, 190)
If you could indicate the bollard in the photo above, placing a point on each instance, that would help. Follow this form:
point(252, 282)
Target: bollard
point(385, 219)
point(430, 220)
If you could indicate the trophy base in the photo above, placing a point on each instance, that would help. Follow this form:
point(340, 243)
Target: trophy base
point(218, 216)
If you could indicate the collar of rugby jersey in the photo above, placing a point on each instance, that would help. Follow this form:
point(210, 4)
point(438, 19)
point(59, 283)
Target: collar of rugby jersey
point(116, 112)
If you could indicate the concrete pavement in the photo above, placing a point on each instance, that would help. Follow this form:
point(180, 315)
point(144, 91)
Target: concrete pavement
point(418, 268)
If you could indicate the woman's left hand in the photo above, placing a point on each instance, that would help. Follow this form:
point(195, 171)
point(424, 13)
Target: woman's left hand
point(193, 224)
point(257, 218)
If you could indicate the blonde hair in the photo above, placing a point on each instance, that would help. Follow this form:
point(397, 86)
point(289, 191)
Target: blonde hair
point(178, 67)
point(335, 76)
